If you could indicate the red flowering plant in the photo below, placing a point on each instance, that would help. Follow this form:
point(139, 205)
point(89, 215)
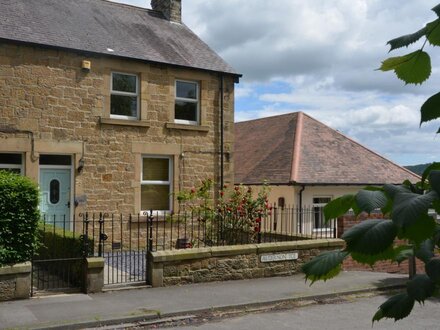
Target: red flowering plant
point(241, 213)
point(237, 217)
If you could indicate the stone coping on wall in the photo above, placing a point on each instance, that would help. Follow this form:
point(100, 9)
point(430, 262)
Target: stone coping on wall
point(21, 268)
point(220, 251)
point(95, 262)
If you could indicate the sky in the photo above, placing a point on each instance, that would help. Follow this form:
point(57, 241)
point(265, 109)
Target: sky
point(320, 57)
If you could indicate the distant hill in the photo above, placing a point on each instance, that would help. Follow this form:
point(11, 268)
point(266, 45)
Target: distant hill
point(418, 169)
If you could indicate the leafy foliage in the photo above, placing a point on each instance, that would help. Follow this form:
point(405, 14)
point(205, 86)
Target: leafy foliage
point(397, 307)
point(373, 239)
point(339, 206)
point(406, 40)
point(420, 288)
point(371, 200)
point(413, 68)
point(432, 269)
point(370, 237)
point(325, 266)
point(238, 210)
point(19, 217)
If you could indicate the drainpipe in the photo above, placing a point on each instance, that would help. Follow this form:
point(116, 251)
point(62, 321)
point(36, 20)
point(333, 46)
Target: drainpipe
point(221, 133)
point(300, 215)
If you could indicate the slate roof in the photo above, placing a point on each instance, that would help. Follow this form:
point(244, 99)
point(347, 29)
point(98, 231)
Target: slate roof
point(295, 148)
point(98, 25)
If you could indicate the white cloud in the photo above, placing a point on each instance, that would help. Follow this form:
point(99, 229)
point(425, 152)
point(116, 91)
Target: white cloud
point(326, 52)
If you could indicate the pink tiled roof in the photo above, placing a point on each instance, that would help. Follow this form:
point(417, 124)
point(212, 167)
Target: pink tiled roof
point(295, 148)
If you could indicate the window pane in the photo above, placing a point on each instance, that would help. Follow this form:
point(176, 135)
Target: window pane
point(155, 197)
point(186, 89)
point(186, 111)
point(321, 200)
point(124, 83)
point(54, 191)
point(10, 159)
point(155, 169)
point(123, 105)
point(55, 160)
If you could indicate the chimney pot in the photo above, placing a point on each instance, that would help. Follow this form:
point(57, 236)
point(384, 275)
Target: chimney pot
point(171, 9)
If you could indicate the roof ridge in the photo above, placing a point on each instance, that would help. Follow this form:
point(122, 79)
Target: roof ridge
point(297, 140)
point(270, 117)
point(364, 147)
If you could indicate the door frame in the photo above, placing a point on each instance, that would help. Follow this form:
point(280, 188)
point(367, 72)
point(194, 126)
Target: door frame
point(72, 185)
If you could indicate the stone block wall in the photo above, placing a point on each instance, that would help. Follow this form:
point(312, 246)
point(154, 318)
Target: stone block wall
point(48, 105)
point(15, 281)
point(232, 262)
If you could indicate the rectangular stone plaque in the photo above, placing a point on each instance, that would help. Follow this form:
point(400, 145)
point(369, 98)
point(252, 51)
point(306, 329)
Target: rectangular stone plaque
point(279, 257)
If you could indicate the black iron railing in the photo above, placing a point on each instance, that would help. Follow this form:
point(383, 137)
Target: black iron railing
point(124, 240)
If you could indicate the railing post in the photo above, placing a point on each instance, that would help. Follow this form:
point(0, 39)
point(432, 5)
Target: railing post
point(259, 228)
point(101, 235)
point(150, 228)
point(85, 236)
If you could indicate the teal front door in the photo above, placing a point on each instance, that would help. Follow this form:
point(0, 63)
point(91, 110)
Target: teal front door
point(55, 196)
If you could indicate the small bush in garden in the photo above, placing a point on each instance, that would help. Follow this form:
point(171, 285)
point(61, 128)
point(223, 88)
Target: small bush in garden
point(19, 216)
point(237, 215)
point(241, 212)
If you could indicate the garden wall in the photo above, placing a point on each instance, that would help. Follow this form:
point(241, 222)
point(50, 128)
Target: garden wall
point(234, 262)
point(15, 281)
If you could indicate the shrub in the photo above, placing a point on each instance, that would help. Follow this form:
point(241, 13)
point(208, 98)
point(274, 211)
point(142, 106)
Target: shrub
point(19, 216)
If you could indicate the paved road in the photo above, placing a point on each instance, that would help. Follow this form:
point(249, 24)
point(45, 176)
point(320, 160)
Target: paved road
point(355, 314)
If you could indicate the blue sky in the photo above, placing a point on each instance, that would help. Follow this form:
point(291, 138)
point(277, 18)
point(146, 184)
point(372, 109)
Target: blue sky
point(320, 57)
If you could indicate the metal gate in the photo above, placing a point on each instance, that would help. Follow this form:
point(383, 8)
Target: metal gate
point(123, 242)
point(58, 263)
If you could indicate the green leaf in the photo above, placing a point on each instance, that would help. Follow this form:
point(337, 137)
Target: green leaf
point(413, 68)
point(325, 266)
point(406, 40)
point(436, 10)
point(392, 190)
point(371, 259)
point(408, 207)
point(370, 200)
point(420, 287)
point(432, 167)
point(434, 180)
point(370, 237)
point(430, 110)
point(425, 251)
point(338, 206)
point(420, 230)
point(403, 254)
point(433, 32)
point(397, 307)
point(432, 269)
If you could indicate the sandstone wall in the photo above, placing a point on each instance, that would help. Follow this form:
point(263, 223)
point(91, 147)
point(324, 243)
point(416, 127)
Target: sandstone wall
point(65, 110)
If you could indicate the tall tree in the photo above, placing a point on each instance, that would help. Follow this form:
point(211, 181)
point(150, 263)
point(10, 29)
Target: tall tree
point(408, 208)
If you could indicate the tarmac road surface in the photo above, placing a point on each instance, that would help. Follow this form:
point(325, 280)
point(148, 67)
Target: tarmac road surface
point(354, 314)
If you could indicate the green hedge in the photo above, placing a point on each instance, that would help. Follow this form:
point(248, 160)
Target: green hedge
point(58, 243)
point(19, 216)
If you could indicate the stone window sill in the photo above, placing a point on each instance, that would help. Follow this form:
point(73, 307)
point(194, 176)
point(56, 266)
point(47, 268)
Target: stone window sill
point(123, 122)
point(187, 127)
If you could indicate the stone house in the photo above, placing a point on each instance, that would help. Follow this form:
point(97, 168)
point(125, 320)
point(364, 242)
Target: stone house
point(307, 164)
point(111, 107)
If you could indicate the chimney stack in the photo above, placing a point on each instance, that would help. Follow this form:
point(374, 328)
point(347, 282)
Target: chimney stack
point(171, 9)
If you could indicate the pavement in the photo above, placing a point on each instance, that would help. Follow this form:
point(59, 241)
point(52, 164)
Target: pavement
point(79, 311)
